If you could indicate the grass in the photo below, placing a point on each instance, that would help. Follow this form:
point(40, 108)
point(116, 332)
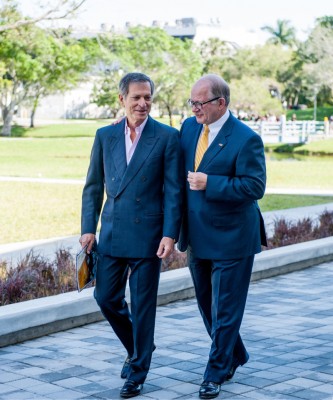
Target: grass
point(321, 147)
point(34, 211)
point(68, 158)
point(299, 172)
point(272, 202)
point(307, 114)
point(38, 210)
point(45, 157)
point(66, 129)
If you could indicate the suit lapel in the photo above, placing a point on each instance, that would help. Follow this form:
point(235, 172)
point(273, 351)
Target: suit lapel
point(144, 147)
point(118, 149)
point(217, 145)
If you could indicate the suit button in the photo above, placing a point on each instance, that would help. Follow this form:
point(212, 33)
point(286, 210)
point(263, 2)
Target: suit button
point(113, 178)
point(138, 199)
point(137, 220)
point(143, 178)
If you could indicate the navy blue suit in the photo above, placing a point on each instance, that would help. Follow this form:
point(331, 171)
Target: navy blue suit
point(222, 229)
point(142, 205)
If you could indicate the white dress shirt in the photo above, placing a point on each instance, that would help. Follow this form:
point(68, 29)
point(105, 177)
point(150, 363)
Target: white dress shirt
point(131, 146)
point(216, 126)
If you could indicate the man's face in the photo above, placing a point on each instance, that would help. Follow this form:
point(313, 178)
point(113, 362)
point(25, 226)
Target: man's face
point(209, 112)
point(137, 103)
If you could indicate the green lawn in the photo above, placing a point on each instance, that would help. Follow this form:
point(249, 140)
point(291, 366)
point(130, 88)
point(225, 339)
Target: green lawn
point(272, 202)
point(37, 210)
point(45, 158)
point(319, 147)
point(307, 114)
point(68, 158)
point(32, 211)
point(299, 172)
point(70, 128)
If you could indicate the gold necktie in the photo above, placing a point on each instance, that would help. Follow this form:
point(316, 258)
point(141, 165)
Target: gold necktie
point(201, 147)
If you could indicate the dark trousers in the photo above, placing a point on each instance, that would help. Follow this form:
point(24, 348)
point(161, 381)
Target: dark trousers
point(135, 328)
point(221, 288)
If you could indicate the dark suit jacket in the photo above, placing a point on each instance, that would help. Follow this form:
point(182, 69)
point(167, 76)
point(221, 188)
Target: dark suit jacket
point(224, 221)
point(143, 199)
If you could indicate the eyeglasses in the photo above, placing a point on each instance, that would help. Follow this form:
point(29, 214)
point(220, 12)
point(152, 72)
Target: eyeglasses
point(199, 104)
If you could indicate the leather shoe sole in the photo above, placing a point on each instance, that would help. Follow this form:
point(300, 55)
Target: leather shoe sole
point(209, 390)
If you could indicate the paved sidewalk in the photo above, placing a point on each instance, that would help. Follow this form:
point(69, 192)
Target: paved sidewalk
point(288, 329)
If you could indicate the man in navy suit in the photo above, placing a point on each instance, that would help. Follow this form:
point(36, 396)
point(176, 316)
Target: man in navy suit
point(136, 163)
point(222, 225)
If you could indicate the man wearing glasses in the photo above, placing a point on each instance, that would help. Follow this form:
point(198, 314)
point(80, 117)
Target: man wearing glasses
point(222, 226)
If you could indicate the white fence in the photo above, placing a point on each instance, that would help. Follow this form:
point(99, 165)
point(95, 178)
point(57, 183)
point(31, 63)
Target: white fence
point(290, 131)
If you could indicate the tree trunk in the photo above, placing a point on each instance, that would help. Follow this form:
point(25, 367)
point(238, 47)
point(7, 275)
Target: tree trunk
point(170, 115)
point(7, 115)
point(33, 111)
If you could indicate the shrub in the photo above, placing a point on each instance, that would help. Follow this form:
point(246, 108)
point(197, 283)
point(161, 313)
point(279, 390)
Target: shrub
point(36, 277)
point(174, 261)
point(325, 227)
point(286, 232)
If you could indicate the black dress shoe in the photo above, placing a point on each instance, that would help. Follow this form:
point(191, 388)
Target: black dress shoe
point(209, 390)
point(127, 364)
point(130, 389)
point(232, 371)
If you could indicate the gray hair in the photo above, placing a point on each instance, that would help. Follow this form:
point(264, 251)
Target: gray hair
point(131, 77)
point(218, 87)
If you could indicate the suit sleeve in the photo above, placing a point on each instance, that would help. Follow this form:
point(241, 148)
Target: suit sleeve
point(249, 179)
point(172, 187)
point(93, 191)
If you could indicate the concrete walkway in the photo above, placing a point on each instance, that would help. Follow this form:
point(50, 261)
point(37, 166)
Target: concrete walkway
point(287, 328)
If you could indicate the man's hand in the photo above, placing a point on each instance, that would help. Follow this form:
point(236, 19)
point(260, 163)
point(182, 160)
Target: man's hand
point(87, 239)
point(197, 180)
point(166, 247)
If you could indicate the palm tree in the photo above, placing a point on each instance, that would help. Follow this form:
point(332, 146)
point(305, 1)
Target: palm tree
point(283, 33)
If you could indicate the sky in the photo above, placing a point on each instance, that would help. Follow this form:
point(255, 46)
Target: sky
point(241, 19)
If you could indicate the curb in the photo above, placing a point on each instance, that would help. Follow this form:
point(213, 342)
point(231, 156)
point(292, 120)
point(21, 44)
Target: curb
point(35, 318)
